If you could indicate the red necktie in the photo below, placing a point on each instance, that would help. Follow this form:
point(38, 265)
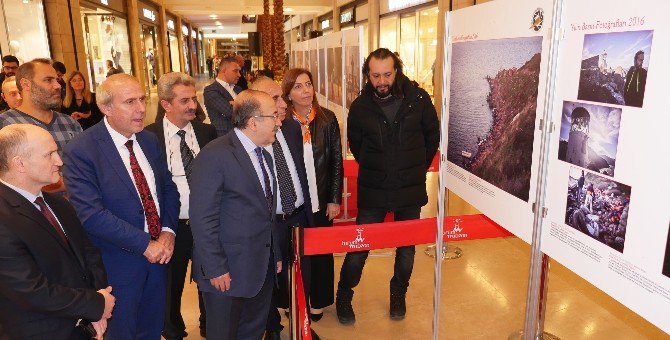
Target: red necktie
point(150, 212)
point(51, 218)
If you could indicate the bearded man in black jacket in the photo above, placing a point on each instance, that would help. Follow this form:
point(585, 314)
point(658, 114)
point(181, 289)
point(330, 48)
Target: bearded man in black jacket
point(393, 134)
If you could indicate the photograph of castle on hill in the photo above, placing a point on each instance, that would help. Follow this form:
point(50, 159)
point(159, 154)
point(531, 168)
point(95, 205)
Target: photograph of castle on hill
point(493, 99)
point(598, 207)
point(590, 136)
point(614, 67)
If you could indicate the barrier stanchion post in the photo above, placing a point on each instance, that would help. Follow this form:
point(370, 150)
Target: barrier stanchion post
point(293, 312)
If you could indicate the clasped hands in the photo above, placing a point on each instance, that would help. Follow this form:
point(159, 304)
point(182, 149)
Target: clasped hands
point(100, 326)
point(222, 283)
point(160, 250)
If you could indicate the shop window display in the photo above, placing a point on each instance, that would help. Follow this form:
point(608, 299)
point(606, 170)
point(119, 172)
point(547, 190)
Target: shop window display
point(25, 39)
point(388, 33)
point(107, 39)
point(174, 53)
point(427, 50)
point(407, 48)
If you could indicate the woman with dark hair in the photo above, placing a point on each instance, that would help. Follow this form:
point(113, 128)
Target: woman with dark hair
point(323, 162)
point(79, 102)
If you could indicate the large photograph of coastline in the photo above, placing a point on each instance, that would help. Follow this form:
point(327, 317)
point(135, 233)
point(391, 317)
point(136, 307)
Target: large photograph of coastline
point(614, 67)
point(492, 108)
point(590, 136)
point(598, 207)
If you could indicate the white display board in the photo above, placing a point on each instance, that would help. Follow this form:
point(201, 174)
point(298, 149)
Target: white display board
point(495, 86)
point(608, 206)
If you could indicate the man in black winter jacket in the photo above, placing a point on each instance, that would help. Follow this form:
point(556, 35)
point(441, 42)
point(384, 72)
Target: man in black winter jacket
point(393, 133)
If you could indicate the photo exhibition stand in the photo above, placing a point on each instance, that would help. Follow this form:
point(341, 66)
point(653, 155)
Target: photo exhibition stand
point(596, 53)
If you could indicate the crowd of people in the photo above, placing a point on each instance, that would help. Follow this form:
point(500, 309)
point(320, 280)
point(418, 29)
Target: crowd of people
point(100, 215)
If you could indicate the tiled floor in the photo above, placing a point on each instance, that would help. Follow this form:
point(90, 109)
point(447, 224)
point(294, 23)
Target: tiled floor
point(483, 296)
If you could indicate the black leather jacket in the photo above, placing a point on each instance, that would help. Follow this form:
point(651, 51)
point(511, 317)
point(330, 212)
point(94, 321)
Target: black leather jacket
point(327, 148)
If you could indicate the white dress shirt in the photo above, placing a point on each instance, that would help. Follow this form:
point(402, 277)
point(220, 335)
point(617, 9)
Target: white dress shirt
point(175, 164)
point(229, 87)
point(291, 168)
point(31, 198)
point(120, 143)
point(250, 148)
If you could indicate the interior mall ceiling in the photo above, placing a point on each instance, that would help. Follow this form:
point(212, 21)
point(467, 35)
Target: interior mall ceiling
point(225, 16)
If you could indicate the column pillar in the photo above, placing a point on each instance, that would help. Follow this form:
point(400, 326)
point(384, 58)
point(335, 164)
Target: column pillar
point(180, 43)
point(135, 41)
point(336, 17)
point(163, 43)
point(66, 39)
point(373, 25)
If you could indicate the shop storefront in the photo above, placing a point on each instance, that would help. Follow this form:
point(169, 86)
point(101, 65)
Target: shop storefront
point(185, 50)
point(106, 39)
point(24, 31)
point(412, 32)
point(148, 14)
point(173, 43)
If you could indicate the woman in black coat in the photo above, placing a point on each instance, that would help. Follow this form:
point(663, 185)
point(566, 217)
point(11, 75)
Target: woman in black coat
point(323, 162)
point(79, 102)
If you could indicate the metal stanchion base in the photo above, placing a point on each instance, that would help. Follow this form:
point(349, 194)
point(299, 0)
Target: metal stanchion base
point(448, 252)
point(518, 335)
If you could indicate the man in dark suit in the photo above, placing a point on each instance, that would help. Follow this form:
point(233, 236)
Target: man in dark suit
point(182, 137)
point(49, 270)
point(294, 207)
point(123, 192)
point(232, 211)
point(219, 95)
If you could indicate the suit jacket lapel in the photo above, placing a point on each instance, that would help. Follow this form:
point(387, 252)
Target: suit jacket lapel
point(245, 162)
point(65, 220)
point(199, 134)
point(115, 162)
point(160, 133)
point(223, 91)
point(28, 210)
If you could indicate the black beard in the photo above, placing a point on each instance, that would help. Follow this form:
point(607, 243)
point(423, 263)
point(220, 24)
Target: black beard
point(382, 95)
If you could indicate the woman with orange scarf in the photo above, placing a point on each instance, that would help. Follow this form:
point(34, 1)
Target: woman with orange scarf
point(323, 162)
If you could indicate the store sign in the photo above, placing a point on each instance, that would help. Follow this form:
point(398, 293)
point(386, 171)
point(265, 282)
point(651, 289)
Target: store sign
point(149, 14)
point(105, 2)
point(395, 5)
point(325, 24)
point(347, 16)
point(170, 24)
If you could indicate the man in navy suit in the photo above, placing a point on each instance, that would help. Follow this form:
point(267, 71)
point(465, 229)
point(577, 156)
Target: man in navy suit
point(219, 95)
point(232, 209)
point(123, 193)
point(294, 206)
point(182, 137)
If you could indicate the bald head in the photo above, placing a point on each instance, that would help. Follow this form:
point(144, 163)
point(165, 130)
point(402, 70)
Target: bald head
point(255, 114)
point(28, 157)
point(269, 86)
point(105, 91)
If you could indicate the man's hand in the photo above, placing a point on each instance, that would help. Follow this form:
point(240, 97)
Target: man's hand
point(156, 252)
point(110, 300)
point(167, 239)
point(332, 210)
point(278, 267)
point(221, 283)
point(100, 328)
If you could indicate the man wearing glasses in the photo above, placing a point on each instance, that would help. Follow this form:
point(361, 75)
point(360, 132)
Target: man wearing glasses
point(232, 213)
point(10, 64)
point(182, 137)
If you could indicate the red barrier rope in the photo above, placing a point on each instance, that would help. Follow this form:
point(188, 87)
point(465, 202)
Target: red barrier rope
point(303, 319)
point(396, 234)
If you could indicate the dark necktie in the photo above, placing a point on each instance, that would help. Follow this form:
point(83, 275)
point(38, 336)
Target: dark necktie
point(51, 218)
point(150, 212)
point(266, 179)
point(286, 188)
point(186, 154)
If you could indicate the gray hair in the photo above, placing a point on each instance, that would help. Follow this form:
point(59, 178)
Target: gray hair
point(27, 70)
point(13, 140)
point(258, 83)
point(246, 105)
point(8, 80)
point(103, 94)
point(168, 81)
point(225, 61)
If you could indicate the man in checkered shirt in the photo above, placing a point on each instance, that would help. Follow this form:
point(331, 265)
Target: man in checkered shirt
point(38, 83)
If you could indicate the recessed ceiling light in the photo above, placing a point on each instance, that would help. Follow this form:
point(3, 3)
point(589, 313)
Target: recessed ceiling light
point(213, 16)
point(288, 9)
